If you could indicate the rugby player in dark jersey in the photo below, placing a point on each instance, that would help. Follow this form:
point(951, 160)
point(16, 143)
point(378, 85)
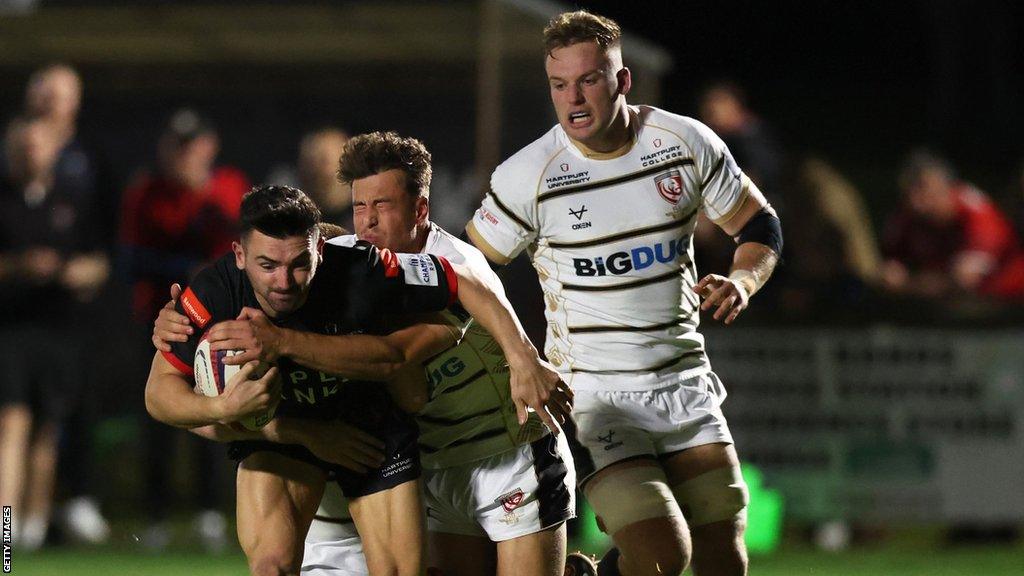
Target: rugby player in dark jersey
point(283, 469)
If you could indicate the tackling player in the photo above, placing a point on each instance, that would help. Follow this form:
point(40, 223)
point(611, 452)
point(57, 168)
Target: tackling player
point(498, 488)
point(276, 273)
point(606, 204)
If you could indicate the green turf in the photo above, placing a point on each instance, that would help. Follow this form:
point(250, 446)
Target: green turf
point(883, 561)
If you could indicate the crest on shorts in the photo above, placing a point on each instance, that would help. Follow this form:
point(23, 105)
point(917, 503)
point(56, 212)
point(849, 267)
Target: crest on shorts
point(509, 502)
point(670, 185)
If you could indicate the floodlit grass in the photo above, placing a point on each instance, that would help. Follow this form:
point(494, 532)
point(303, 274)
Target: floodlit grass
point(881, 561)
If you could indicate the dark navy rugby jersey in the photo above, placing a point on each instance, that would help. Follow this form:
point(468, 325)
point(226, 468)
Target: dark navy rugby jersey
point(352, 291)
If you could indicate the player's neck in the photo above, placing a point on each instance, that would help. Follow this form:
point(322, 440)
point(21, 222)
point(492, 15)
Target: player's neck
point(422, 231)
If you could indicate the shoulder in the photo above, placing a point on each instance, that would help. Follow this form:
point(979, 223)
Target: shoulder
point(230, 175)
point(211, 293)
point(693, 131)
point(442, 243)
point(525, 166)
point(340, 255)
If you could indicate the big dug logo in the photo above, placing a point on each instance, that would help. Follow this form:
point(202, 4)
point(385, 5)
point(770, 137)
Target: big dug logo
point(636, 259)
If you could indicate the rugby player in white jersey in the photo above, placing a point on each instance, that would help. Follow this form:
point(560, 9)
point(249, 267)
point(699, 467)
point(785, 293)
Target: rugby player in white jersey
point(498, 486)
point(606, 204)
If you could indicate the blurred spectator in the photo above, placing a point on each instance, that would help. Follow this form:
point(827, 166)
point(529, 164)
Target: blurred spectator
point(49, 266)
point(724, 109)
point(833, 255)
point(316, 174)
point(172, 222)
point(53, 98)
point(949, 237)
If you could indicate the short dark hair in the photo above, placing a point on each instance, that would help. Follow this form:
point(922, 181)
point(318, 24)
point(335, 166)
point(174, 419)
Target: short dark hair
point(278, 212)
point(570, 28)
point(377, 152)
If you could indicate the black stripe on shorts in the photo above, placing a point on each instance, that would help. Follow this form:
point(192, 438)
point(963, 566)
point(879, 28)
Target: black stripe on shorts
point(553, 495)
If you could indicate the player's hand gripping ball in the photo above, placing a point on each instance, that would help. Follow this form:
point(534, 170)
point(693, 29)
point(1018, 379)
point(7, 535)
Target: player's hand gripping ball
point(212, 375)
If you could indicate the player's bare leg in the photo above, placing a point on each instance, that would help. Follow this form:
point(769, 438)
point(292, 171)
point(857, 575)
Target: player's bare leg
point(538, 554)
point(15, 435)
point(391, 526)
point(718, 547)
point(277, 498)
point(654, 546)
point(461, 555)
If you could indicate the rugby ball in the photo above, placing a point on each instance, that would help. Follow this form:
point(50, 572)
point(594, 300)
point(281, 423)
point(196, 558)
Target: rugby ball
point(212, 375)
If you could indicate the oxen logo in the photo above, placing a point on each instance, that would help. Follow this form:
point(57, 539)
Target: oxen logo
point(670, 185)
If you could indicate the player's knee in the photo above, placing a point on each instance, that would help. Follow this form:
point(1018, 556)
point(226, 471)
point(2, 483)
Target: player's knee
point(273, 564)
point(656, 560)
point(715, 496)
point(648, 497)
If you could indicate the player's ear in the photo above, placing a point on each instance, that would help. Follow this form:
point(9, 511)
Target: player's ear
point(239, 251)
point(422, 209)
point(624, 81)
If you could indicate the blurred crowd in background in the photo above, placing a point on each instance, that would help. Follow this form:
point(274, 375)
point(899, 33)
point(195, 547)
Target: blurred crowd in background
point(80, 249)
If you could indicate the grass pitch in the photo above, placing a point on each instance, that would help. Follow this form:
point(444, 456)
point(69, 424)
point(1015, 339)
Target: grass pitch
point(880, 561)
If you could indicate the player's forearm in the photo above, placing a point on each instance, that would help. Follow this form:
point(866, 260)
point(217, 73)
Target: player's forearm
point(366, 357)
point(351, 356)
point(487, 303)
point(170, 399)
point(282, 430)
point(752, 265)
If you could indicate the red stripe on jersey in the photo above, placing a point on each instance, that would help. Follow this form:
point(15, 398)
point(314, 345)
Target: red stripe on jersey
point(177, 363)
point(391, 266)
point(194, 309)
point(453, 280)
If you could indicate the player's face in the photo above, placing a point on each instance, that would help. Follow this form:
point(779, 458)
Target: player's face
point(386, 215)
point(588, 86)
point(279, 269)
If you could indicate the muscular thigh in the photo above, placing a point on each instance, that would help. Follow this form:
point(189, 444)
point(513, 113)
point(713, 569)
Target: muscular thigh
point(538, 554)
point(276, 499)
point(390, 524)
point(692, 462)
point(461, 554)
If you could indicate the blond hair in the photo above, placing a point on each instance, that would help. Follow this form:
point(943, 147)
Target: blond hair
point(570, 28)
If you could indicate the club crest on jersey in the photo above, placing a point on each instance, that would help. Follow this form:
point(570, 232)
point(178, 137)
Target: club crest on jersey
point(509, 502)
point(670, 185)
point(564, 166)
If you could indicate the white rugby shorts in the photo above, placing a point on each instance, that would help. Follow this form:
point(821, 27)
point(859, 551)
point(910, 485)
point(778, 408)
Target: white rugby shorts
point(333, 547)
point(615, 426)
point(512, 494)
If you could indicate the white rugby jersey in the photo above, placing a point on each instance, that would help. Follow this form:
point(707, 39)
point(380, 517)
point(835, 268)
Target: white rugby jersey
point(469, 414)
point(611, 241)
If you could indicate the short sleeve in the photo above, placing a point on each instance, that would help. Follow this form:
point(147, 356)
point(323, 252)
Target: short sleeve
point(205, 301)
point(724, 187)
point(411, 283)
point(506, 221)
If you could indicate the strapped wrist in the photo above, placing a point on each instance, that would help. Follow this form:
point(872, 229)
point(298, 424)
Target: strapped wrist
point(746, 279)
